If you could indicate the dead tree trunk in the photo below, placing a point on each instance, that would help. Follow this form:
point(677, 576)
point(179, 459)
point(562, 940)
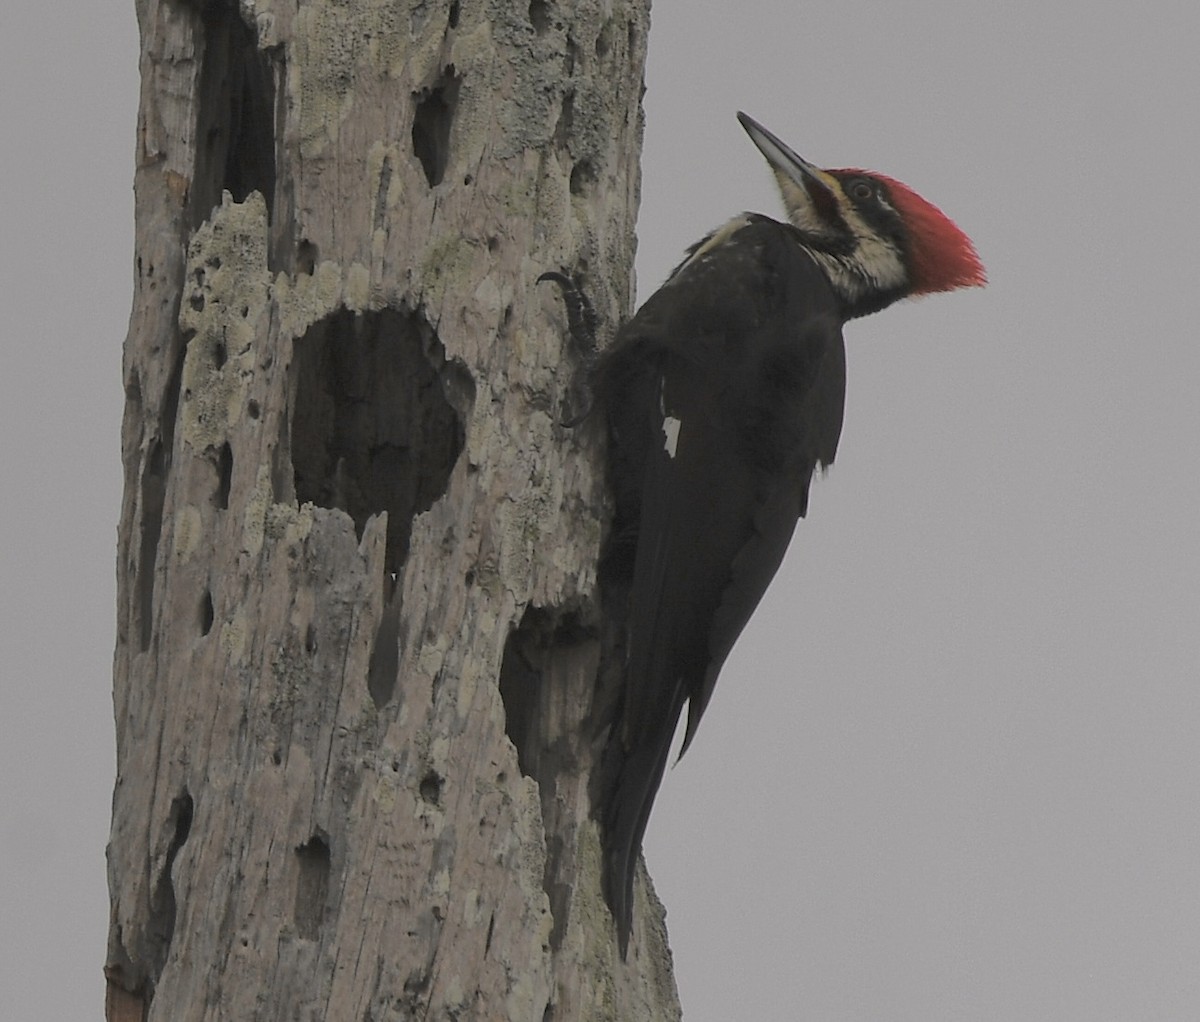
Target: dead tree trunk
point(353, 527)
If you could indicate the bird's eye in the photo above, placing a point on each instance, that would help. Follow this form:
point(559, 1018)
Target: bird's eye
point(861, 189)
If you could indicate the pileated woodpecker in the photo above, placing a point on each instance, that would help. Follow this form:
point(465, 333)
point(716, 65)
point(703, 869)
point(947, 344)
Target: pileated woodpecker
point(722, 395)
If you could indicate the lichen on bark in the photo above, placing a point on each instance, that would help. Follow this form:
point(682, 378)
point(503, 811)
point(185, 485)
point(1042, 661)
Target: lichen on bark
point(309, 653)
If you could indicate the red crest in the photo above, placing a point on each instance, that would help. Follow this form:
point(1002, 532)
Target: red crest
point(943, 258)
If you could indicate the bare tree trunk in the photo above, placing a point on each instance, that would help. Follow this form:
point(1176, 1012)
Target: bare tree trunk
point(353, 527)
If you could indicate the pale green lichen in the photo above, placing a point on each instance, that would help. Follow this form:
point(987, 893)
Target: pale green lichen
point(482, 425)
point(471, 671)
point(229, 288)
point(333, 42)
point(475, 909)
point(366, 720)
point(527, 516)
point(358, 288)
point(233, 636)
point(254, 516)
point(303, 300)
point(432, 656)
point(291, 672)
point(453, 994)
point(385, 795)
point(439, 753)
point(590, 930)
point(446, 268)
point(321, 77)
point(189, 532)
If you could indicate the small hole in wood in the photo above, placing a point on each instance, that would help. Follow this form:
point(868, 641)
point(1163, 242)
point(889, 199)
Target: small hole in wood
point(306, 258)
point(603, 43)
point(206, 613)
point(224, 475)
point(431, 125)
point(583, 176)
point(431, 787)
point(312, 886)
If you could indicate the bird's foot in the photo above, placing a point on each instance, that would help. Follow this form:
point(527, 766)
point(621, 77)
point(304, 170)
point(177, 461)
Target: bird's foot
point(581, 325)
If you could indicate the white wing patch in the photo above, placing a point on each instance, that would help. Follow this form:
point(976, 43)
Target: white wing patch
point(670, 428)
point(714, 240)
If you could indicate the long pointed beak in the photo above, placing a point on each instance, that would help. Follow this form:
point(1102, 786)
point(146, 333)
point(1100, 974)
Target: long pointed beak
point(786, 162)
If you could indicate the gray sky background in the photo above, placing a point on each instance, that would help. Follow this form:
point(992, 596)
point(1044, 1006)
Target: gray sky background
point(952, 771)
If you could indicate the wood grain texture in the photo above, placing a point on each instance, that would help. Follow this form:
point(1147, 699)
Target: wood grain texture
point(349, 504)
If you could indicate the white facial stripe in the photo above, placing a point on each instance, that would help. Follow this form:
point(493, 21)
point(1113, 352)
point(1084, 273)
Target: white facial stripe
point(879, 262)
point(799, 206)
point(870, 268)
point(875, 264)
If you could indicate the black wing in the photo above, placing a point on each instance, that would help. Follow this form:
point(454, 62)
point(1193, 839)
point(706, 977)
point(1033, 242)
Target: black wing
point(722, 394)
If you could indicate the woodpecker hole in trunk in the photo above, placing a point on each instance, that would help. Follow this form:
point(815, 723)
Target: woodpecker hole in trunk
point(381, 194)
point(206, 612)
point(566, 121)
point(224, 476)
point(154, 489)
point(431, 787)
point(160, 928)
point(547, 657)
point(235, 123)
point(583, 176)
point(539, 16)
point(312, 886)
point(436, 106)
point(307, 256)
point(385, 650)
point(604, 39)
point(377, 419)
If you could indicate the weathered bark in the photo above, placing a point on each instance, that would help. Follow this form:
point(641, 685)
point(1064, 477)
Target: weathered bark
point(352, 519)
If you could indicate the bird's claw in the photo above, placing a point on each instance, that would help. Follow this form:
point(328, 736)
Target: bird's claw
point(581, 325)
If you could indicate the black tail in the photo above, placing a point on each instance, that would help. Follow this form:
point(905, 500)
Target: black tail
point(628, 812)
point(642, 741)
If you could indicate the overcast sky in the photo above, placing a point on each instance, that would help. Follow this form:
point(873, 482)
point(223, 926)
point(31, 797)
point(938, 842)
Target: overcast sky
point(952, 771)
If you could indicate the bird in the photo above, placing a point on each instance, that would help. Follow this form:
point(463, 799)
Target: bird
point(721, 397)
